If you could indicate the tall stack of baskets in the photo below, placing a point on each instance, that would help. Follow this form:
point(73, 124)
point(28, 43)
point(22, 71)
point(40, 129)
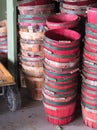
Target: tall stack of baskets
point(3, 41)
point(61, 68)
point(78, 7)
point(31, 29)
point(89, 86)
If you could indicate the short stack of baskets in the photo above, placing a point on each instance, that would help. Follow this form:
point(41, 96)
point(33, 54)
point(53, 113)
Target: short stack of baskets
point(89, 86)
point(78, 7)
point(61, 68)
point(31, 29)
point(3, 41)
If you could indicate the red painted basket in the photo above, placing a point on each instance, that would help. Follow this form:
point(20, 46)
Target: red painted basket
point(90, 70)
point(91, 34)
point(60, 75)
point(89, 87)
point(60, 58)
point(22, 3)
point(91, 27)
point(3, 39)
point(89, 116)
point(62, 44)
point(79, 10)
point(92, 15)
point(88, 59)
point(90, 56)
point(71, 92)
point(90, 49)
point(59, 115)
point(87, 81)
point(90, 103)
point(48, 8)
point(81, 13)
point(62, 37)
point(33, 3)
point(61, 81)
point(90, 75)
point(90, 65)
point(89, 93)
point(79, 2)
point(61, 70)
point(52, 97)
point(62, 21)
point(3, 46)
point(62, 65)
point(61, 86)
point(61, 51)
point(91, 42)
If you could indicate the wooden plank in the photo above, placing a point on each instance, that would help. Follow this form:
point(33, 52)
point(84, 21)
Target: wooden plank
point(5, 77)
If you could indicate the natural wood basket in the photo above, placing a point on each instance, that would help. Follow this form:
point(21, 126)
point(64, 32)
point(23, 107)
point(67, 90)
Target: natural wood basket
point(3, 26)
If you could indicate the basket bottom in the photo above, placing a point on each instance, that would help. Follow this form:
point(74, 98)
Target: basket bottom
point(59, 121)
point(89, 117)
point(90, 123)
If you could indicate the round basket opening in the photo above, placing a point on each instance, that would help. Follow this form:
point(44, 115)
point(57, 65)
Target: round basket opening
point(58, 35)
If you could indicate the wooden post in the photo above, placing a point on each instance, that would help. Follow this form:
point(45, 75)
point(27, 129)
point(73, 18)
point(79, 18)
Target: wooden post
point(12, 37)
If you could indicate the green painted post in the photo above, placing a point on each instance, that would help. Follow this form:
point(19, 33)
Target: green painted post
point(12, 37)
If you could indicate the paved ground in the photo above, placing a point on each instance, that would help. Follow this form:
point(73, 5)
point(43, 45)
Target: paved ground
point(32, 117)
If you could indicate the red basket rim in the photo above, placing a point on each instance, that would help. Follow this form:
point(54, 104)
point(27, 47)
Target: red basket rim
point(62, 36)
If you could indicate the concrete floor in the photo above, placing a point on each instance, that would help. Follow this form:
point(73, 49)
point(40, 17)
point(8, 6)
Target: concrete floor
point(32, 117)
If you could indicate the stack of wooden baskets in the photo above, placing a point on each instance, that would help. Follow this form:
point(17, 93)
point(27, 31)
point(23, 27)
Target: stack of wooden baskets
point(89, 86)
point(3, 40)
point(61, 66)
point(78, 7)
point(31, 21)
